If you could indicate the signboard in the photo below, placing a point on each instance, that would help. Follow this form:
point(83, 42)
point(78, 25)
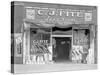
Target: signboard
point(58, 16)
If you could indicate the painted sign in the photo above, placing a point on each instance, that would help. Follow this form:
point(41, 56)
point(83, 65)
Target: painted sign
point(57, 16)
point(39, 46)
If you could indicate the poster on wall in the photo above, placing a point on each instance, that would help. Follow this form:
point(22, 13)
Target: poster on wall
point(52, 37)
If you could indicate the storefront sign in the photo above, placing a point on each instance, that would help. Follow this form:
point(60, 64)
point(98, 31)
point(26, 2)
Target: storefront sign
point(59, 16)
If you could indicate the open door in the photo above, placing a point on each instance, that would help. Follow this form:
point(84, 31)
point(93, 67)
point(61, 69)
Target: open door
point(61, 49)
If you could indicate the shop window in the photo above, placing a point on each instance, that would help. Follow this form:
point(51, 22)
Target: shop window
point(39, 40)
point(81, 44)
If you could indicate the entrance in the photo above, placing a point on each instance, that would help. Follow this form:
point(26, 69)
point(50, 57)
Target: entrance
point(61, 49)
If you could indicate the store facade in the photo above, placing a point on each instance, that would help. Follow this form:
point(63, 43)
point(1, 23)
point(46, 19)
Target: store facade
point(54, 34)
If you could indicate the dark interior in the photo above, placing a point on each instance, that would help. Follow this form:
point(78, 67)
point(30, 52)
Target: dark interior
point(61, 29)
point(62, 50)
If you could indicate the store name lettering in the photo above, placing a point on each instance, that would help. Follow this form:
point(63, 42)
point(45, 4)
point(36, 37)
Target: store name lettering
point(57, 14)
point(40, 41)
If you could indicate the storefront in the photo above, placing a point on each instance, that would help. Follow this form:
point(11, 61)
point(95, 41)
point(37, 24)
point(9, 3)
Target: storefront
point(56, 35)
point(51, 34)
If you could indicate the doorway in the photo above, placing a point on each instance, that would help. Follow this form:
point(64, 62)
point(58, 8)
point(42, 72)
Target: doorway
point(61, 49)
